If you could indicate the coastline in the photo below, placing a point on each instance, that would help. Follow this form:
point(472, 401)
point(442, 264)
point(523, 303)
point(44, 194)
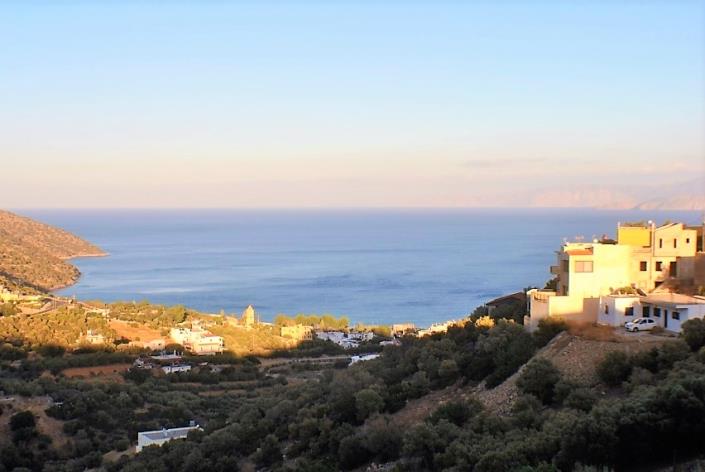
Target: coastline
point(78, 272)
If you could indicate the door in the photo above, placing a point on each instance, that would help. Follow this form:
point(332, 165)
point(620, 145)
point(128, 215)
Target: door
point(673, 269)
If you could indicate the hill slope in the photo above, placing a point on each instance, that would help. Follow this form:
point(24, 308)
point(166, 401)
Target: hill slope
point(33, 255)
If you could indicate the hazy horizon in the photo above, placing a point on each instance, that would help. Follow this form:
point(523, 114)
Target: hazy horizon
point(352, 105)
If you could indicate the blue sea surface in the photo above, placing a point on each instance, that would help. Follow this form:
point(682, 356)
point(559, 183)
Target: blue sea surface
point(375, 266)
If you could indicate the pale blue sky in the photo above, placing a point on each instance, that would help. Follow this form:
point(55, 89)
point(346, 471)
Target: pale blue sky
point(352, 104)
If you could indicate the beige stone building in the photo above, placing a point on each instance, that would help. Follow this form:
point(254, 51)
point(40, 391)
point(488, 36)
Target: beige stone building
point(644, 258)
point(299, 332)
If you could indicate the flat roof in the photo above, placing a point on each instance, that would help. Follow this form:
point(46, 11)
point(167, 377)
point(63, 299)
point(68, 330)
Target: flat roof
point(674, 299)
point(173, 433)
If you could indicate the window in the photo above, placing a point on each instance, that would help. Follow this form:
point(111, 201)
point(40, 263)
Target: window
point(657, 312)
point(643, 266)
point(687, 240)
point(658, 266)
point(673, 269)
point(583, 266)
point(676, 315)
point(607, 310)
point(660, 243)
point(645, 311)
point(675, 243)
point(629, 311)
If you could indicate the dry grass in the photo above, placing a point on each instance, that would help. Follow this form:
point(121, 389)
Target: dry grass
point(135, 333)
point(45, 424)
point(104, 372)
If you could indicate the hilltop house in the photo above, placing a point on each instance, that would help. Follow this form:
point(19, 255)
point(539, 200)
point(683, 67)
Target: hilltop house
point(645, 259)
point(299, 332)
point(174, 368)
point(197, 340)
point(161, 436)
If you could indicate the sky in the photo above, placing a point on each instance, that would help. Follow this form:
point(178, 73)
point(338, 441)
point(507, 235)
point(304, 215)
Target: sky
point(345, 104)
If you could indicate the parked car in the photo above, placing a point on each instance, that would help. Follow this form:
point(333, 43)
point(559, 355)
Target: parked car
point(640, 324)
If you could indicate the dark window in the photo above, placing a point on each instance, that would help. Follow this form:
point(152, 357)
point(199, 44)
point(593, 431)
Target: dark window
point(607, 310)
point(675, 243)
point(657, 312)
point(676, 315)
point(673, 269)
point(658, 266)
point(643, 266)
point(660, 243)
point(583, 266)
point(645, 311)
point(687, 240)
point(629, 311)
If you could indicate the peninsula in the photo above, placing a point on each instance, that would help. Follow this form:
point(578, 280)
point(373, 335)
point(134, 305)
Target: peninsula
point(34, 255)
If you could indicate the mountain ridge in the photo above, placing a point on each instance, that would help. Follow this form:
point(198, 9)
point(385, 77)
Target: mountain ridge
point(34, 255)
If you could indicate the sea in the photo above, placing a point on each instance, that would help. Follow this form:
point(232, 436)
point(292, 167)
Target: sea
point(373, 266)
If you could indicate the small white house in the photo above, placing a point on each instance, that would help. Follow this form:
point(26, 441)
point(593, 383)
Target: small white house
point(161, 436)
point(615, 310)
point(671, 310)
point(170, 369)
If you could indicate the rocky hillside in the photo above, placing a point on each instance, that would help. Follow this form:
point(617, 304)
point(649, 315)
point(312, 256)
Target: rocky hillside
point(33, 255)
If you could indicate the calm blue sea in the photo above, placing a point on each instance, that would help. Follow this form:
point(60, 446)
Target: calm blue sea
point(380, 266)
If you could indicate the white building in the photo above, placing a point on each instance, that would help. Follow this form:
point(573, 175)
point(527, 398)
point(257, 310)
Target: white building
point(170, 369)
point(669, 310)
point(615, 310)
point(346, 340)
point(161, 436)
point(198, 340)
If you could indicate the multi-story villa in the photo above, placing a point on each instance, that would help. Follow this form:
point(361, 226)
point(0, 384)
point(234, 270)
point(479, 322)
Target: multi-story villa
point(643, 259)
point(198, 340)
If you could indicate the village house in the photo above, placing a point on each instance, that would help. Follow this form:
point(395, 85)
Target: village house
point(606, 281)
point(197, 340)
point(401, 329)
point(669, 310)
point(298, 332)
point(346, 340)
point(172, 369)
point(161, 436)
point(93, 337)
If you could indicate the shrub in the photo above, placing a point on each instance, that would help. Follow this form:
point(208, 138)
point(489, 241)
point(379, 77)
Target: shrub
point(581, 399)
point(693, 333)
point(539, 378)
point(367, 402)
point(670, 353)
point(548, 329)
point(352, 453)
point(456, 412)
point(23, 419)
point(614, 368)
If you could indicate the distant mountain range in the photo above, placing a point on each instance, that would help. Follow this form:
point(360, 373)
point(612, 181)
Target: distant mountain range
point(688, 195)
point(33, 255)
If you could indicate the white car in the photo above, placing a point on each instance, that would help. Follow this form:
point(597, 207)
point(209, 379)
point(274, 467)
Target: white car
point(640, 324)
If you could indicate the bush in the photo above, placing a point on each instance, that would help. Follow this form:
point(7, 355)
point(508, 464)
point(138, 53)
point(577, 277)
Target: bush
point(614, 368)
point(670, 353)
point(456, 412)
point(23, 419)
point(539, 378)
point(693, 333)
point(548, 329)
point(352, 453)
point(581, 399)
